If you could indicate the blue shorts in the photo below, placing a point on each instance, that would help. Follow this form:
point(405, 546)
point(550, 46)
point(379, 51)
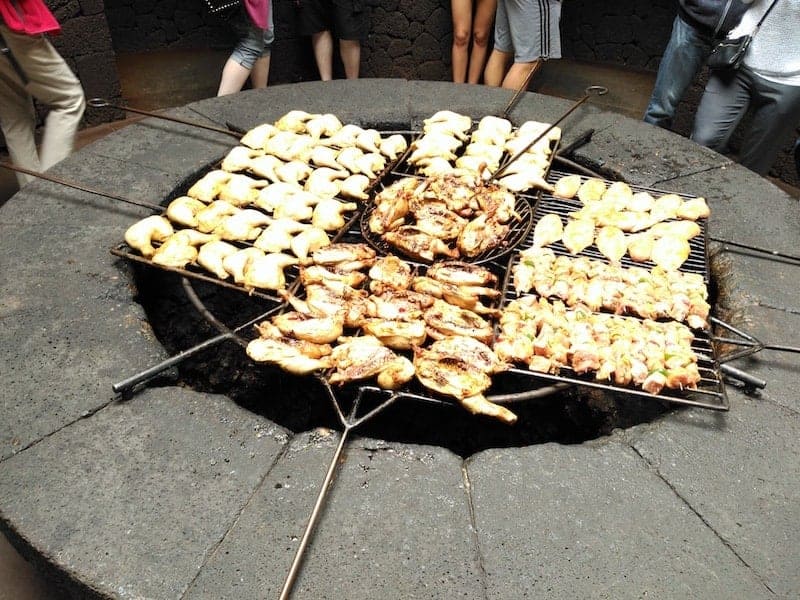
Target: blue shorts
point(253, 42)
point(528, 28)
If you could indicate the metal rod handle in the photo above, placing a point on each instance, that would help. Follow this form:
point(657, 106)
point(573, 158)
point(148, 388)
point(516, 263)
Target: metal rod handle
point(759, 249)
point(744, 377)
point(323, 492)
point(103, 103)
point(147, 374)
point(82, 188)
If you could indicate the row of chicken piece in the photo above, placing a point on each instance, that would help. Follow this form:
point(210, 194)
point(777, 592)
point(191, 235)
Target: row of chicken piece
point(443, 215)
point(548, 336)
point(354, 325)
point(447, 146)
point(649, 293)
point(664, 244)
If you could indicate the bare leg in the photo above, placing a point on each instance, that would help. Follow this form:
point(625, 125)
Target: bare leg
point(481, 30)
point(496, 67)
point(233, 77)
point(322, 43)
point(350, 51)
point(518, 73)
point(259, 76)
point(462, 26)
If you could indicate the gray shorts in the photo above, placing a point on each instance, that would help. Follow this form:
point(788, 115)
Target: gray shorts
point(528, 28)
point(253, 42)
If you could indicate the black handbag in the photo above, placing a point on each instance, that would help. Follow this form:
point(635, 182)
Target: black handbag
point(728, 54)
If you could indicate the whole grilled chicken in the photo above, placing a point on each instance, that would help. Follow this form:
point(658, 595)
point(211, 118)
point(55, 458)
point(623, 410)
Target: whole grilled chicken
point(418, 244)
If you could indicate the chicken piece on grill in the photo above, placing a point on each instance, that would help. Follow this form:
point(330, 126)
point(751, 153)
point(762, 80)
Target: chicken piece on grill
point(393, 146)
point(444, 319)
point(463, 296)
point(578, 235)
point(619, 195)
point(207, 188)
point(244, 225)
point(345, 257)
point(518, 182)
point(481, 234)
point(547, 230)
point(670, 252)
point(290, 146)
point(345, 137)
point(278, 235)
point(183, 211)
point(307, 241)
point(211, 255)
point(437, 166)
point(212, 215)
point(325, 156)
point(682, 228)
point(397, 335)
point(347, 158)
point(141, 235)
point(331, 278)
point(235, 263)
point(323, 125)
point(389, 213)
point(455, 377)
point(295, 120)
point(276, 194)
point(666, 207)
point(461, 273)
point(356, 161)
point(567, 186)
point(241, 190)
point(325, 299)
point(363, 357)
point(329, 214)
point(418, 244)
point(389, 273)
point(436, 220)
point(265, 166)
point(355, 186)
point(591, 190)
point(319, 330)
point(258, 136)
point(238, 159)
point(490, 153)
point(641, 202)
point(325, 182)
point(492, 130)
point(612, 243)
point(266, 272)
point(293, 171)
point(369, 140)
point(498, 202)
point(476, 165)
point(456, 121)
point(640, 246)
point(473, 352)
point(286, 354)
point(398, 305)
point(694, 209)
point(178, 250)
point(297, 207)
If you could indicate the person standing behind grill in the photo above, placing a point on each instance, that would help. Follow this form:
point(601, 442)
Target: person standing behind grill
point(696, 27)
point(468, 62)
point(768, 81)
point(321, 19)
point(253, 24)
point(526, 32)
point(32, 68)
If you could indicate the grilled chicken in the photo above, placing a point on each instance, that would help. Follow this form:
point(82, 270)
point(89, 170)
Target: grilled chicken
point(444, 319)
point(278, 235)
point(670, 252)
point(329, 214)
point(471, 351)
point(397, 335)
point(461, 273)
point(258, 136)
point(369, 140)
point(591, 190)
point(393, 146)
point(547, 230)
point(389, 272)
point(243, 225)
point(619, 195)
point(492, 130)
point(694, 209)
point(307, 241)
point(481, 234)
point(207, 188)
point(324, 182)
point(183, 211)
point(418, 244)
point(293, 171)
point(567, 186)
point(295, 120)
point(612, 243)
point(345, 137)
point(666, 207)
point(331, 278)
point(323, 125)
point(319, 330)
point(211, 255)
point(363, 357)
point(235, 263)
point(286, 354)
point(640, 246)
point(355, 186)
point(345, 257)
point(238, 159)
point(266, 272)
point(578, 234)
point(212, 215)
point(325, 156)
point(681, 228)
point(240, 190)
point(468, 297)
point(176, 251)
point(398, 305)
point(436, 220)
point(141, 235)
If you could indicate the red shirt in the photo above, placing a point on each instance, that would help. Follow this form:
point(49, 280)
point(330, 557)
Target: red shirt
point(257, 10)
point(31, 17)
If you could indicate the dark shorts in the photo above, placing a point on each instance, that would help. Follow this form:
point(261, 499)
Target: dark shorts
point(347, 19)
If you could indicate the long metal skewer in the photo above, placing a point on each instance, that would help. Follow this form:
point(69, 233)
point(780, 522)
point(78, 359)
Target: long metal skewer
point(103, 103)
point(592, 90)
point(80, 187)
point(791, 257)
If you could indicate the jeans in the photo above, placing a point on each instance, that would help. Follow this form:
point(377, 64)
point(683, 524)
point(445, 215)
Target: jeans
point(726, 99)
point(685, 54)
